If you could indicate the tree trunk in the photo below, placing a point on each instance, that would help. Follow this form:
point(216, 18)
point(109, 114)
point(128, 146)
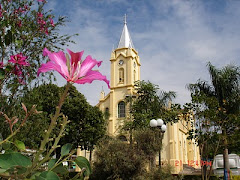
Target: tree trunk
point(130, 138)
point(152, 163)
point(225, 157)
point(205, 172)
point(90, 155)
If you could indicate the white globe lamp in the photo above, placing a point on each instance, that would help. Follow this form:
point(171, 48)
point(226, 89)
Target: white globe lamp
point(153, 123)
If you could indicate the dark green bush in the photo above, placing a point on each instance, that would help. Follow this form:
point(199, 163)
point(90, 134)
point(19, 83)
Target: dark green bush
point(116, 159)
point(161, 174)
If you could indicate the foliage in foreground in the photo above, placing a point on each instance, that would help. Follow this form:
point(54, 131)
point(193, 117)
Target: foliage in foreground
point(17, 165)
point(27, 30)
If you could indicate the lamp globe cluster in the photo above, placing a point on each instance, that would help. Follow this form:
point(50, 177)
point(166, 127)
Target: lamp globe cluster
point(158, 123)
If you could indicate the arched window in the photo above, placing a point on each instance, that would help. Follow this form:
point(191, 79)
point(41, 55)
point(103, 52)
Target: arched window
point(121, 75)
point(134, 76)
point(121, 109)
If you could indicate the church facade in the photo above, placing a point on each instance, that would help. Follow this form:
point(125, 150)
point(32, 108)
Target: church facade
point(125, 70)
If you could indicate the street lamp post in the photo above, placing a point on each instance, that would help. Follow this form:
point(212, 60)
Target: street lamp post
point(160, 124)
point(130, 100)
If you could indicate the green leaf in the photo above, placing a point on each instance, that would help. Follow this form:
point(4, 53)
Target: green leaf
point(51, 163)
point(82, 162)
point(34, 176)
point(3, 170)
point(60, 169)
point(21, 170)
point(20, 145)
point(8, 68)
point(66, 149)
point(2, 74)
point(6, 146)
point(9, 160)
point(47, 175)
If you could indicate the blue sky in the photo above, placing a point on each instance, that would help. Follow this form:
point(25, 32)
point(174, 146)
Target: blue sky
point(174, 38)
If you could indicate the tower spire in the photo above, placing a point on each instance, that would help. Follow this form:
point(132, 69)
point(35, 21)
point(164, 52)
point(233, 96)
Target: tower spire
point(125, 39)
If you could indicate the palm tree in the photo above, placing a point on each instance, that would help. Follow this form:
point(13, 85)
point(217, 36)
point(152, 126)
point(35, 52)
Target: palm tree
point(224, 88)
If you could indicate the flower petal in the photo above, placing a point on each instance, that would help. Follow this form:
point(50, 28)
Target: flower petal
point(88, 64)
point(49, 66)
point(75, 58)
point(59, 59)
point(46, 52)
point(91, 76)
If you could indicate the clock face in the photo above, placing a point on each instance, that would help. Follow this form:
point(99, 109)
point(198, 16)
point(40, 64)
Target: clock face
point(121, 62)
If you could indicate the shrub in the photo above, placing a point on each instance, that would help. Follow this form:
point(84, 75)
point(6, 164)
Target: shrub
point(116, 159)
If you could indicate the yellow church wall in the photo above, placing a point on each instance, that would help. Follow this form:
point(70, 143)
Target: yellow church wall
point(177, 149)
point(120, 94)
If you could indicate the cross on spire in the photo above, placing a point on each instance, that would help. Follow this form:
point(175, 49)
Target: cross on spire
point(125, 19)
point(125, 39)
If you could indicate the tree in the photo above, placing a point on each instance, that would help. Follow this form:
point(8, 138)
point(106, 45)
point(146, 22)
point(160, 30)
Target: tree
point(86, 126)
point(25, 30)
point(206, 134)
point(148, 141)
point(94, 129)
point(46, 98)
point(220, 102)
point(150, 103)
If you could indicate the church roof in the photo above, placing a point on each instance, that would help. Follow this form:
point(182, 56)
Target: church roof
point(125, 39)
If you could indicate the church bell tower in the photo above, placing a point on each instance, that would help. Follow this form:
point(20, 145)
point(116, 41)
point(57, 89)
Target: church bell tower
point(125, 70)
point(125, 62)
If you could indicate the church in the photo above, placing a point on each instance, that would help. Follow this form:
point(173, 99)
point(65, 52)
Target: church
point(177, 150)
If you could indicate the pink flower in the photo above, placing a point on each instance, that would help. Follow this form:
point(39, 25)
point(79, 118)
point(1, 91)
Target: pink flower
point(39, 14)
point(26, 7)
point(17, 71)
point(1, 65)
point(1, 11)
point(46, 31)
point(74, 69)
point(51, 22)
point(19, 23)
point(19, 59)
